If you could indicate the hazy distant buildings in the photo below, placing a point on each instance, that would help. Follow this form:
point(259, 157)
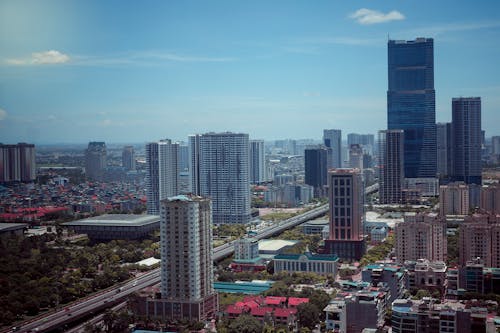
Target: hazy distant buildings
point(411, 103)
point(257, 162)
point(490, 199)
point(421, 236)
point(444, 146)
point(346, 200)
point(332, 138)
point(95, 160)
point(162, 173)
point(356, 156)
point(220, 170)
point(316, 168)
point(466, 127)
point(391, 166)
point(17, 163)
point(128, 158)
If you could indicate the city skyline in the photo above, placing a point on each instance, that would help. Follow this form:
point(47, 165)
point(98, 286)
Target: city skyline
point(78, 72)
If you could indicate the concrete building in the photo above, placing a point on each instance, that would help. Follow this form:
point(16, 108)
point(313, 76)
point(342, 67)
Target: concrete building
point(187, 266)
point(425, 274)
point(162, 173)
point(12, 229)
point(128, 158)
point(421, 236)
point(393, 277)
point(332, 138)
point(316, 168)
point(95, 160)
point(490, 199)
point(466, 134)
point(116, 226)
point(246, 248)
point(220, 170)
point(346, 200)
point(356, 156)
point(307, 262)
point(257, 162)
point(391, 166)
point(479, 237)
point(17, 163)
point(475, 277)
point(454, 199)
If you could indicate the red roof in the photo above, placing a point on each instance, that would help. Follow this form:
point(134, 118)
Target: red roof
point(295, 301)
point(284, 313)
point(233, 309)
point(261, 312)
point(275, 300)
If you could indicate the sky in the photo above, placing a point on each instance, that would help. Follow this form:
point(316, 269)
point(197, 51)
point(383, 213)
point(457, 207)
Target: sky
point(139, 71)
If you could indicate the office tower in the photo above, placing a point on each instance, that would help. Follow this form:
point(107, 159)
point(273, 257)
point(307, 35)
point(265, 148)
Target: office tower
point(466, 129)
point(95, 160)
point(346, 199)
point(17, 163)
point(356, 157)
point(183, 157)
point(220, 167)
point(444, 147)
point(479, 237)
point(332, 138)
point(186, 258)
point(194, 162)
point(495, 145)
point(421, 236)
point(411, 103)
point(360, 139)
point(454, 199)
point(316, 168)
point(128, 158)
point(257, 162)
point(490, 199)
point(162, 173)
point(391, 166)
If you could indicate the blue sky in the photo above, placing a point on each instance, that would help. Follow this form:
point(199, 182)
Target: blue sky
point(137, 71)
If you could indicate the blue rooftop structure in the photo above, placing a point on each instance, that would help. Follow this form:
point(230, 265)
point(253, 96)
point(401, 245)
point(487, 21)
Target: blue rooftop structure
point(247, 288)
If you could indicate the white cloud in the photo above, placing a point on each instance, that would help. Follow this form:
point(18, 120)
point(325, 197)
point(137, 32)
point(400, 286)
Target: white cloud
point(50, 57)
point(3, 114)
point(370, 16)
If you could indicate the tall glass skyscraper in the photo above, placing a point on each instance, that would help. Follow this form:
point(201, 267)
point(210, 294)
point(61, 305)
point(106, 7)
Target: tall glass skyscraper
point(411, 103)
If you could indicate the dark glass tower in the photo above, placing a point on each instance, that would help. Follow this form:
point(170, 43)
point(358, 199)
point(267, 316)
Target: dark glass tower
point(411, 103)
point(316, 167)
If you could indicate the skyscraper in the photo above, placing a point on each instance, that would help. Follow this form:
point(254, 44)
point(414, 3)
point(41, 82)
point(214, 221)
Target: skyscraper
point(220, 167)
point(411, 103)
point(332, 138)
point(95, 160)
point(17, 162)
point(186, 251)
point(128, 158)
point(356, 156)
point(391, 166)
point(466, 127)
point(162, 173)
point(444, 150)
point(315, 163)
point(346, 200)
point(257, 162)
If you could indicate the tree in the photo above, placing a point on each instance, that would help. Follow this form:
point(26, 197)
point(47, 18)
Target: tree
point(245, 324)
point(317, 297)
point(307, 315)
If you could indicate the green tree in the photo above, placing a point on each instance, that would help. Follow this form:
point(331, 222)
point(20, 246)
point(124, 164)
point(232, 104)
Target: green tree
point(307, 315)
point(245, 324)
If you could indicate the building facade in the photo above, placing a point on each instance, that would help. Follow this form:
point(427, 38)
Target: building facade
point(316, 168)
point(306, 262)
point(162, 173)
point(454, 199)
point(332, 138)
point(128, 158)
point(411, 103)
point(356, 156)
point(444, 150)
point(490, 199)
point(95, 160)
point(17, 163)
point(391, 166)
point(346, 200)
point(466, 128)
point(479, 237)
point(421, 236)
point(257, 162)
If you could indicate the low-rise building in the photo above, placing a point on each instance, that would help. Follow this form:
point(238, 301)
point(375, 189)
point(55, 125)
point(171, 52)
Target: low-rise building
point(390, 275)
point(307, 262)
point(425, 274)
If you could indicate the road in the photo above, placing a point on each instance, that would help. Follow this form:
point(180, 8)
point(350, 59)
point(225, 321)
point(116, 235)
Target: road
point(118, 293)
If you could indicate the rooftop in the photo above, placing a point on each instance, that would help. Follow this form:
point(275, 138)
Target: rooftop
point(4, 227)
point(129, 220)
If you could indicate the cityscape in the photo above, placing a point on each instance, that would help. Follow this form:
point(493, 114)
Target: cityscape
point(249, 167)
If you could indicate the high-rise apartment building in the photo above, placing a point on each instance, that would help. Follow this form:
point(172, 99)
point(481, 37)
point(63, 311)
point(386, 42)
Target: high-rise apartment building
point(17, 163)
point(411, 103)
point(466, 129)
point(444, 147)
point(220, 171)
point(186, 258)
point(490, 199)
point(391, 166)
point(162, 172)
point(95, 160)
point(346, 200)
point(479, 238)
point(332, 138)
point(316, 168)
point(128, 158)
point(183, 157)
point(356, 156)
point(454, 199)
point(257, 162)
point(421, 236)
